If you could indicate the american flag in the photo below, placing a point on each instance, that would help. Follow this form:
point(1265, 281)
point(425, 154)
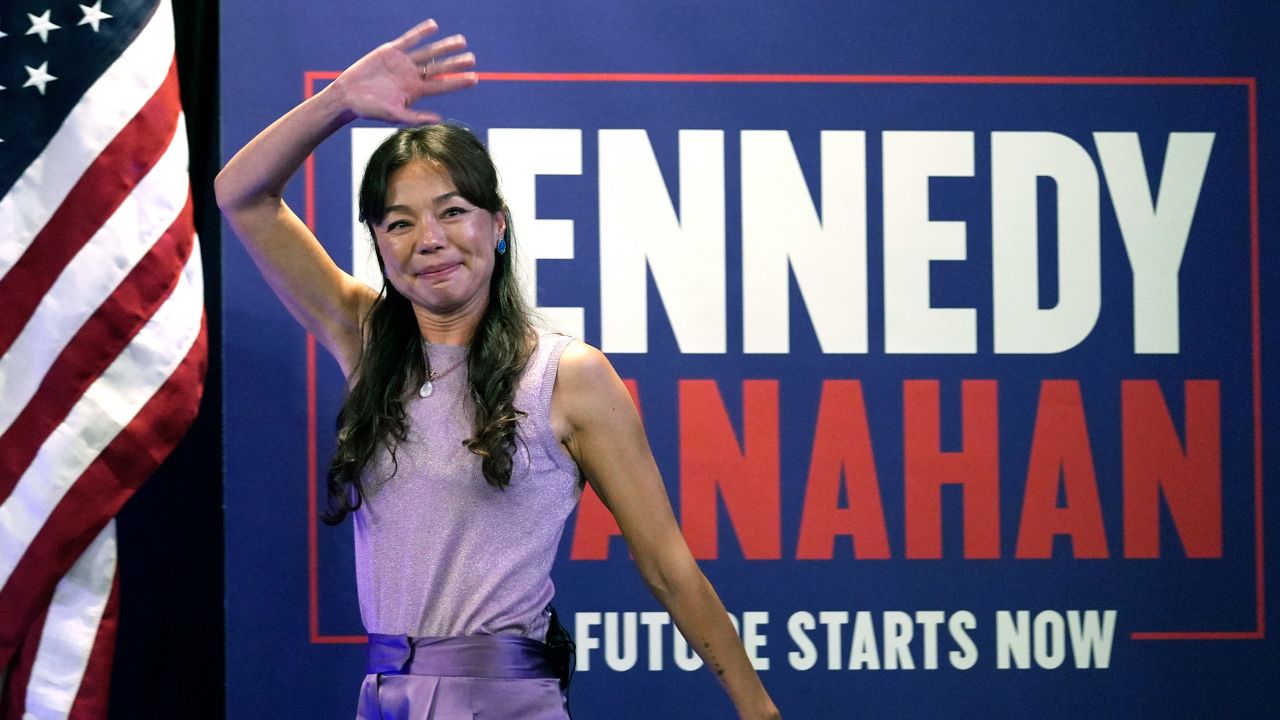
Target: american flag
point(102, 334)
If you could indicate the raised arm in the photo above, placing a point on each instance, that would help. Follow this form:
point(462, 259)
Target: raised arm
point(596, 419)
point(381, 86)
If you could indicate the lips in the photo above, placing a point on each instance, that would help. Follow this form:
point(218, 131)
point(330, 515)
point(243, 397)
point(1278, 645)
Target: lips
point(436, 272)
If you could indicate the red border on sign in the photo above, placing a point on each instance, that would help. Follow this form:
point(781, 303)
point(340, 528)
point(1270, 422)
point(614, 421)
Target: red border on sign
point(311, 77)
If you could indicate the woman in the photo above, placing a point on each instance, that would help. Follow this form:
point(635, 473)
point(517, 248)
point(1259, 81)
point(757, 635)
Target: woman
point(464, 433)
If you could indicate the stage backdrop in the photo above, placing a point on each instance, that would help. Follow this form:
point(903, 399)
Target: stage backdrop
point(946, 321)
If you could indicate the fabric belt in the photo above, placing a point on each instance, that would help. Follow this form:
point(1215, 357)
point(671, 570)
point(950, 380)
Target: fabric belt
point(485, 656)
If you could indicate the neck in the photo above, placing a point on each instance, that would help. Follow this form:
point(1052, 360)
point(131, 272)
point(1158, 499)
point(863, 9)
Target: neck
point(456, 328)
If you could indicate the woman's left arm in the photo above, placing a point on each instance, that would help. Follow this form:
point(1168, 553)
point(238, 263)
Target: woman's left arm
point(596, 420)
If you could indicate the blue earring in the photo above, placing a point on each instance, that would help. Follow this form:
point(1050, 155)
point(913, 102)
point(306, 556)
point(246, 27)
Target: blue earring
point(502, 246)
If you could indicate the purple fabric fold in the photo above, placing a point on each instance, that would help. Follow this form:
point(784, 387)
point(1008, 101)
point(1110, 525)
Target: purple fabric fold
point(478, 656)
point(459, 678)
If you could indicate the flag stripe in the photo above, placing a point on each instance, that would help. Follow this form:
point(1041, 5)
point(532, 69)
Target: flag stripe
point(132, 456)
point(71, 627)
point(112, 101)
point(95, 686)
point(99, 340)
point(15, 689)
point(19, 673)
point(93, 275)
point(106, 407)
point(97, 196)
point(91, 700)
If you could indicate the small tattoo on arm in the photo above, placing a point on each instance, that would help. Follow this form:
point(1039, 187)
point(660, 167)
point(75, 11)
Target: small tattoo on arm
point(706, 645)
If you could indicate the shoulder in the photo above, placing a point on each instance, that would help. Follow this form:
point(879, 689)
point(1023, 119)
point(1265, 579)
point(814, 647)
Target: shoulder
point(587, 386)
point(581, 363)
point(583, 368)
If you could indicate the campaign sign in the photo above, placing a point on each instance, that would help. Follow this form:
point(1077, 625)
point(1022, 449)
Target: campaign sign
point(955, 382)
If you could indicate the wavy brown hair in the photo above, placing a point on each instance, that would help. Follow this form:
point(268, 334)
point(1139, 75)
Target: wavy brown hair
point(391, 362)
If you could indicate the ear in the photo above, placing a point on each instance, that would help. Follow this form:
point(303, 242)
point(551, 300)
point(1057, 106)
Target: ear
point(500, 224)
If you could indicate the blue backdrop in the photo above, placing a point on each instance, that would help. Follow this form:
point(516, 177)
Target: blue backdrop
point(926, 495)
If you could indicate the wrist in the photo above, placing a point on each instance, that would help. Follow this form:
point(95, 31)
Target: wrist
point(767, 712)
point(758, 707)
point(335, 105)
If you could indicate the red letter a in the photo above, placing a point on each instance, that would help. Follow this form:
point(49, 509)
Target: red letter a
point(842, 454)
point(1060, 449)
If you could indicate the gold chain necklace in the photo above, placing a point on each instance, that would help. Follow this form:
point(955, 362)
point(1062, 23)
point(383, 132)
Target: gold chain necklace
point(428, 387)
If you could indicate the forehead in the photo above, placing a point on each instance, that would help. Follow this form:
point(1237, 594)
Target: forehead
point(418, 180)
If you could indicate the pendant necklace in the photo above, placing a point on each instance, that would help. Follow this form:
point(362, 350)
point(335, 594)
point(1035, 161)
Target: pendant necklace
point(427, 387)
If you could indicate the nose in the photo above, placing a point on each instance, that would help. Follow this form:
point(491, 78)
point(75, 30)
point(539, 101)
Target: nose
point(430, 237)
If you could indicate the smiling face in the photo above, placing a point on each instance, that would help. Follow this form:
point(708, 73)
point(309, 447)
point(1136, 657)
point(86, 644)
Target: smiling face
point(437, 247)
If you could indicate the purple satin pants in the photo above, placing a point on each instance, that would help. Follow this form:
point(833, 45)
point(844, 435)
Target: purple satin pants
point(475, 677)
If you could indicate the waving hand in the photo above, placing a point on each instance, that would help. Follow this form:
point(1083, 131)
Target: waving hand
point(384, 84)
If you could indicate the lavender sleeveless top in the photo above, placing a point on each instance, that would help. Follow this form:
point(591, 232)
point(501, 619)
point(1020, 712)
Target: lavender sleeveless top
point(441, 552)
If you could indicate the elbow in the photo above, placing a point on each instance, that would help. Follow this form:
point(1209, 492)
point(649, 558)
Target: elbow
point(225, 193)
point(655, 580)
point(222, 191)
point(236, 200)
point(668, 577)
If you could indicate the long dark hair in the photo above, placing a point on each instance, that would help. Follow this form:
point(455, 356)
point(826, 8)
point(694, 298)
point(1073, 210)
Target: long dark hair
point(391, 358)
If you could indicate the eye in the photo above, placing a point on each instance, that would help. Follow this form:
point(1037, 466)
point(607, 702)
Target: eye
point(397, 225)
point(454, 211)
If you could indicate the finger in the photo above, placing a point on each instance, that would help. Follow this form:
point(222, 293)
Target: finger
point(416, 34)
point(447, 46)
point(441, 84)
point(451, 64)
point(409, 116)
